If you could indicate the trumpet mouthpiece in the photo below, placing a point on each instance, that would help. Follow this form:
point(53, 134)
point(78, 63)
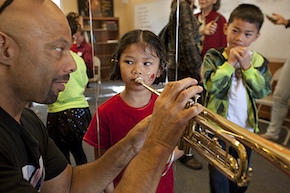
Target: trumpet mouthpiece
point(139, 80)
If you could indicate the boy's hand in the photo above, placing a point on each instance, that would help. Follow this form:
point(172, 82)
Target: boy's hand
point(243, 56)
point(232, 57)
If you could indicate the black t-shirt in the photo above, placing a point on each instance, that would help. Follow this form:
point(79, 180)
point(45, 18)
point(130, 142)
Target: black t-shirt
point(27, 154)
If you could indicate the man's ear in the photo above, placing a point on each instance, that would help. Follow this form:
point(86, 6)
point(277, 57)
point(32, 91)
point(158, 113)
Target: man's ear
point(6, 49)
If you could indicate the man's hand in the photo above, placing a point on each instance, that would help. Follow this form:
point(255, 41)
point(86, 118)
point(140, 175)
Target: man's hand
point(138, 133)
point(169, 115)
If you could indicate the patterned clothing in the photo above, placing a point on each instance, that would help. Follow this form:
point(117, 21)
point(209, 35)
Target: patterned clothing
point(189, 58)
point(69, 116)
point(218, 78)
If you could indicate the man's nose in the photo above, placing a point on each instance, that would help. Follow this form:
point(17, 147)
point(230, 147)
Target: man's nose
point(70, 64)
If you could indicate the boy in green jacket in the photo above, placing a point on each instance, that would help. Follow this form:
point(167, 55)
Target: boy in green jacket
point(233, 78)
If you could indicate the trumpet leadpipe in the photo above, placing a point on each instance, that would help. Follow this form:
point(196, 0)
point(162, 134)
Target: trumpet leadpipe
point(140, 81)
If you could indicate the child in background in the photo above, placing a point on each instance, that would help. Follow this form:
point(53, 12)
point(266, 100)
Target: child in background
point(69, 116)
point(233, 78)
point(139, 54)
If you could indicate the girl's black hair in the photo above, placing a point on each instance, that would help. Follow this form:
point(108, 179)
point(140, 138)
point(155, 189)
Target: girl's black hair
point(145, 39)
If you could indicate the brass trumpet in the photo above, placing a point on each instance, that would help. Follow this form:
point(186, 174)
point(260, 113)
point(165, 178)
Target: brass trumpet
point(234, 169)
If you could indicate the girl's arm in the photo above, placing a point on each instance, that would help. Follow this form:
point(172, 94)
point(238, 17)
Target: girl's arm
point(178, 153)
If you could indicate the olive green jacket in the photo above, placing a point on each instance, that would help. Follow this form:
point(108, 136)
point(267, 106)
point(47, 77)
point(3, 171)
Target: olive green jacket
point(218, 79)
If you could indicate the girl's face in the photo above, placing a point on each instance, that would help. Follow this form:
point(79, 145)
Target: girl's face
point(206, 4)
point(241, 33)
point(138, 63)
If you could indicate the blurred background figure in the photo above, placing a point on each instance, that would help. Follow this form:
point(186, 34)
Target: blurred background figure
point(82, 48)
point(213, 36)
point(282, 90)
point(69, 117)
point(189, 58)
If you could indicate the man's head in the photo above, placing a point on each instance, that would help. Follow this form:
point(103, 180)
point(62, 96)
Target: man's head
point(243, 26)
point(35, 57)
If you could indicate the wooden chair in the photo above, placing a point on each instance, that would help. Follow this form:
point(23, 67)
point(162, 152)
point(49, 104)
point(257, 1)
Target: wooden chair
point(97, 75)
point(268, 101)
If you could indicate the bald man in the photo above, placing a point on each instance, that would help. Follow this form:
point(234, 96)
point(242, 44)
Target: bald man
point(35, 62)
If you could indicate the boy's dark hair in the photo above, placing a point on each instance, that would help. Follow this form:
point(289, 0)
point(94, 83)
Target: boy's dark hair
point(73, 23)
point(248, 12)
point(144, 39)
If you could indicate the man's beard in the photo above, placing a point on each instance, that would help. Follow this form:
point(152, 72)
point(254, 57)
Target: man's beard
point(51, 96)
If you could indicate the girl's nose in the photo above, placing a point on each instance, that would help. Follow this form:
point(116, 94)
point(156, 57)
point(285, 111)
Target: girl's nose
point(136, 71)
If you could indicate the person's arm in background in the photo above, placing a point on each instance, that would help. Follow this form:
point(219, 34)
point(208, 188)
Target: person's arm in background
point(209, 29)
point(279, 20)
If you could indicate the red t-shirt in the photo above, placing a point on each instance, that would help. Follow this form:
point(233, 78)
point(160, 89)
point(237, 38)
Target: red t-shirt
point(116, 120)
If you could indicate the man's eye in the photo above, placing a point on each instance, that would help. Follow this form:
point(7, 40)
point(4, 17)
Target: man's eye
point(59, 49)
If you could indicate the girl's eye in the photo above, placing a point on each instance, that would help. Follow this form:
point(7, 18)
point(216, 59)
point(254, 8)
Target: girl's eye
point(147, 63)
point(59, 49)
point(129, 62)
